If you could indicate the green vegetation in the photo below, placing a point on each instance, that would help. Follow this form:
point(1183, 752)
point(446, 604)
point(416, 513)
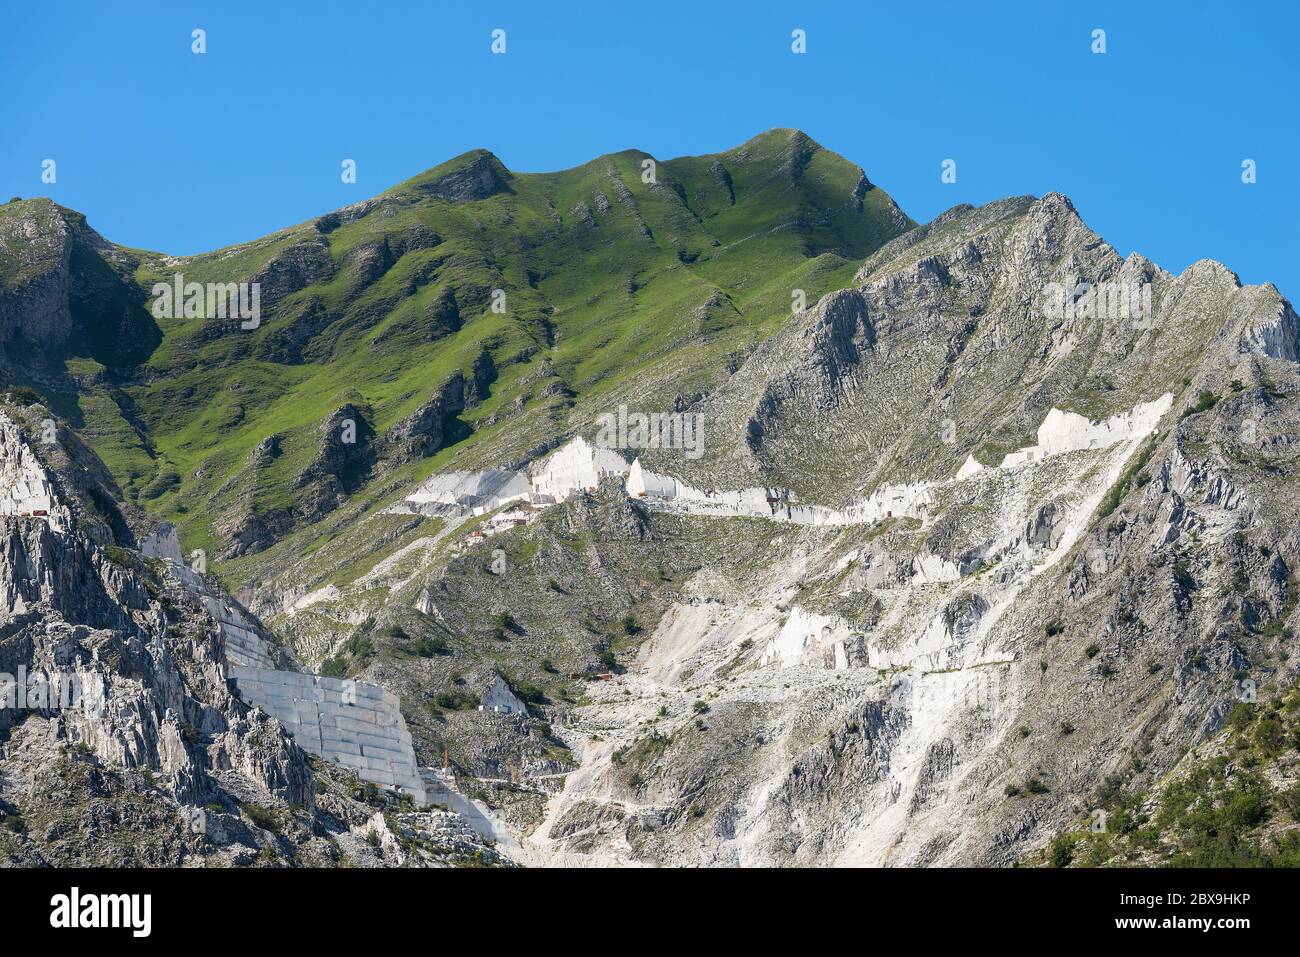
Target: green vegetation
point(1235, 804)
point(608, 281)
point(1127, 480)
point(268, 819)
point(334, 667)
point(456, 701)
point(1205, 400)
point(431, 646)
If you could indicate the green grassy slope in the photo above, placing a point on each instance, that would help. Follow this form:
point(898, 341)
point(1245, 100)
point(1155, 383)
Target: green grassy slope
point(616, 290)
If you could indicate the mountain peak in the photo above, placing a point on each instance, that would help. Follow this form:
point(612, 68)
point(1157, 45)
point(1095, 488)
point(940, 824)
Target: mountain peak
point(476, 174)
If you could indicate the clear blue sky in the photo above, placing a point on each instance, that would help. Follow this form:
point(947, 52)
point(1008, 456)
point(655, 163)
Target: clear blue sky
point(167, 150)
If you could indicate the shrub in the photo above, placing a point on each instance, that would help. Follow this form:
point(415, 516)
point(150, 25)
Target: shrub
point(1205, 400)
point(264, 817)
point(1290, 800)
point(455, 701)
point(526, 692)
point(21, 395)
point(1061, 851)
point(1116, 493)
point(431, 646)
point(1240, 717)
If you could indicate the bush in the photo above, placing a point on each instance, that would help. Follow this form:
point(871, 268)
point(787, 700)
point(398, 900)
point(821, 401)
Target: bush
point(1240, 718)
point(1205, 401)
point(1290, 800)
point(455, 701)
point(264, 817)
point(430, 647)
point(1116, 494)
point(21, 395)
point(1061, 851)
point(361, 647)
point(334, 667)
point(525, 692)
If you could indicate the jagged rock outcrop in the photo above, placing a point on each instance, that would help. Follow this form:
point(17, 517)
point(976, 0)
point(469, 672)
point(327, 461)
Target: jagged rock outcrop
point(294, 269)
point(480, 177)
point(426, 430)
point(60, 278)
point(122, 740)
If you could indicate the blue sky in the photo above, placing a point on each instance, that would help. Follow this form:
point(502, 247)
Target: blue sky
point(167, 150)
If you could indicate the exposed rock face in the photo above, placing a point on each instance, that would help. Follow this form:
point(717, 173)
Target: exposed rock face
point(293, 269)
point(443, 314)
point(60, 278)
point(343, 458)
point(957, 551)
point(150, 669)
point(1095, 593)
point(479, 178)
point(121, 740)
point(37, 308)
point(426, 430)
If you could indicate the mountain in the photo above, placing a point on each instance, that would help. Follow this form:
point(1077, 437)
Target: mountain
point(384, 309)
point(965, 530)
